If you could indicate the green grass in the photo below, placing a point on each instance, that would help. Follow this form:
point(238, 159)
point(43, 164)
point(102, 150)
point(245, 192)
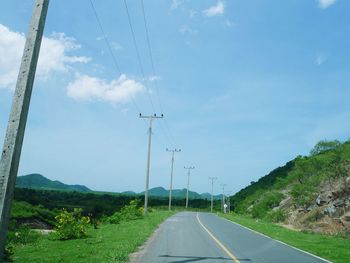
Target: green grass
point(109, 243)
point(333, 248)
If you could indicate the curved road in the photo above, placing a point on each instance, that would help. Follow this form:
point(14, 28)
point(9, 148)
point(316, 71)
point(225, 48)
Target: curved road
point(204, 237)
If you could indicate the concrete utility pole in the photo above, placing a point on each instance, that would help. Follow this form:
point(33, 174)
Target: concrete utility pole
point(223, 197)
point(11, 152)
point(150, 117)
point(229, 201)
point(188, 182)
point(212, 190)
point(171, 175)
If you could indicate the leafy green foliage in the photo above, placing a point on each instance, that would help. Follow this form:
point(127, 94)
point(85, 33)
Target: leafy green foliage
point(41, 182)
point(96, 205)
point(23, 235)
point(276, 216)
point(21, 210)
point(9, 251)
point(324, 146)
point(18, 236)
point(266, 203)
point(301, 177)
point(127, 213)
point(247, 196)
point(71, 225)
point(110, 243)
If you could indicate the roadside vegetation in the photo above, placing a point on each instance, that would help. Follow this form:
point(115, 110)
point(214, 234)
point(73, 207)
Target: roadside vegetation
point(79, 238)
point(310, 193)
point(333, 248)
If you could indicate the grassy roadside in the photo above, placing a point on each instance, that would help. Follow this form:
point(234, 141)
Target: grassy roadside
point(333, 248)
point(109, 243)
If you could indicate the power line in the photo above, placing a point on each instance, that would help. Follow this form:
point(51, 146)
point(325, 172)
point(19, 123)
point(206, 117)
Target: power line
point(154, 69)
point(137, 51)
point(106, 39)
point(115, 62)
point(150, 52)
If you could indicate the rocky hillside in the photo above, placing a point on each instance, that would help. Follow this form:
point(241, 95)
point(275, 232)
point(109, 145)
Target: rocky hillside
point(308, 193)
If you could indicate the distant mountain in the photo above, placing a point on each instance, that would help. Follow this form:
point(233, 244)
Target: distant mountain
point(178, 193)
point(39, 181)
point(128, 193)
point(208, 196)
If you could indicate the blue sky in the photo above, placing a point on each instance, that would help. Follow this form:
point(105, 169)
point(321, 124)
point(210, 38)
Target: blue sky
point(245, 86)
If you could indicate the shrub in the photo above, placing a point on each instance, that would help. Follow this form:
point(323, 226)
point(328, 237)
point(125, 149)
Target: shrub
point(276, 216)
point(23, 235)
point(266, 203)
point(127, 213)
point(8, 252)
point(302, 193)
point(131, 211)
point(116, 218)
point(71, 225)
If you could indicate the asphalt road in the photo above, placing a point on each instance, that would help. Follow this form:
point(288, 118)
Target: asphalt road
point(205, 237)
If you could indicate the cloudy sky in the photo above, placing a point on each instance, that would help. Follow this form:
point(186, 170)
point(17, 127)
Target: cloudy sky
point(244, 86)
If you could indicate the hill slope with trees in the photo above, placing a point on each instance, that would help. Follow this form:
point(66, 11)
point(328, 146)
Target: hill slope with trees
point(310, 192)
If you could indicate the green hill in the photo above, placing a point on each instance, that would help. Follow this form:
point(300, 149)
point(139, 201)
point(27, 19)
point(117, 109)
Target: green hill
point(309, 192)
point(178, 193)
point(39, 181)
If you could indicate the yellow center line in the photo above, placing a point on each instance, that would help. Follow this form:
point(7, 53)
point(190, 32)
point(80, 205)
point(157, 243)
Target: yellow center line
point(228, 252)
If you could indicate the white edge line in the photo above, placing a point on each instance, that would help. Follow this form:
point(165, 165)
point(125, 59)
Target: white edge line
point(261, 234)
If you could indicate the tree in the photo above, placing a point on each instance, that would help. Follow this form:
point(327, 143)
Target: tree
point(323, 146)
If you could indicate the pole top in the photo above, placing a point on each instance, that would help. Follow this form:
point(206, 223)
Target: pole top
point(154, 116)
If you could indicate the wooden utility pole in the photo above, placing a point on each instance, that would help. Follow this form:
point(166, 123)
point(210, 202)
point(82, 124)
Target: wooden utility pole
point(11, 152)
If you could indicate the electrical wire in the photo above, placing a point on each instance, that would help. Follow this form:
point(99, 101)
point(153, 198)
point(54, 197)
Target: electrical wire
point(115, 62)
point(137, 52)
point(106, 39)
point(154, 71)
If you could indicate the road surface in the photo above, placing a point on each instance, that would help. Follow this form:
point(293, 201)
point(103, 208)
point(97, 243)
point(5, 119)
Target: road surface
point(204, 237)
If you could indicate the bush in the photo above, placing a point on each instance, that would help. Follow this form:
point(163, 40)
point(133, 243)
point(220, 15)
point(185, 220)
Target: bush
point(127, 213)
point(71, 225)
point(277, 216)
point(116, 218)
point(23, 235)
point(131, 211)
point(8, 252)
point(266, 203)
point(302, 193)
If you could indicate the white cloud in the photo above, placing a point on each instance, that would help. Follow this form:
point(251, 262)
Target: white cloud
point(325, 3)
point(186, 29)
point(53, 55)
point(88, 88)
point(192, 13)
point(154, 78)
point(175, 4)
point(320, 59)
point(215, 10)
